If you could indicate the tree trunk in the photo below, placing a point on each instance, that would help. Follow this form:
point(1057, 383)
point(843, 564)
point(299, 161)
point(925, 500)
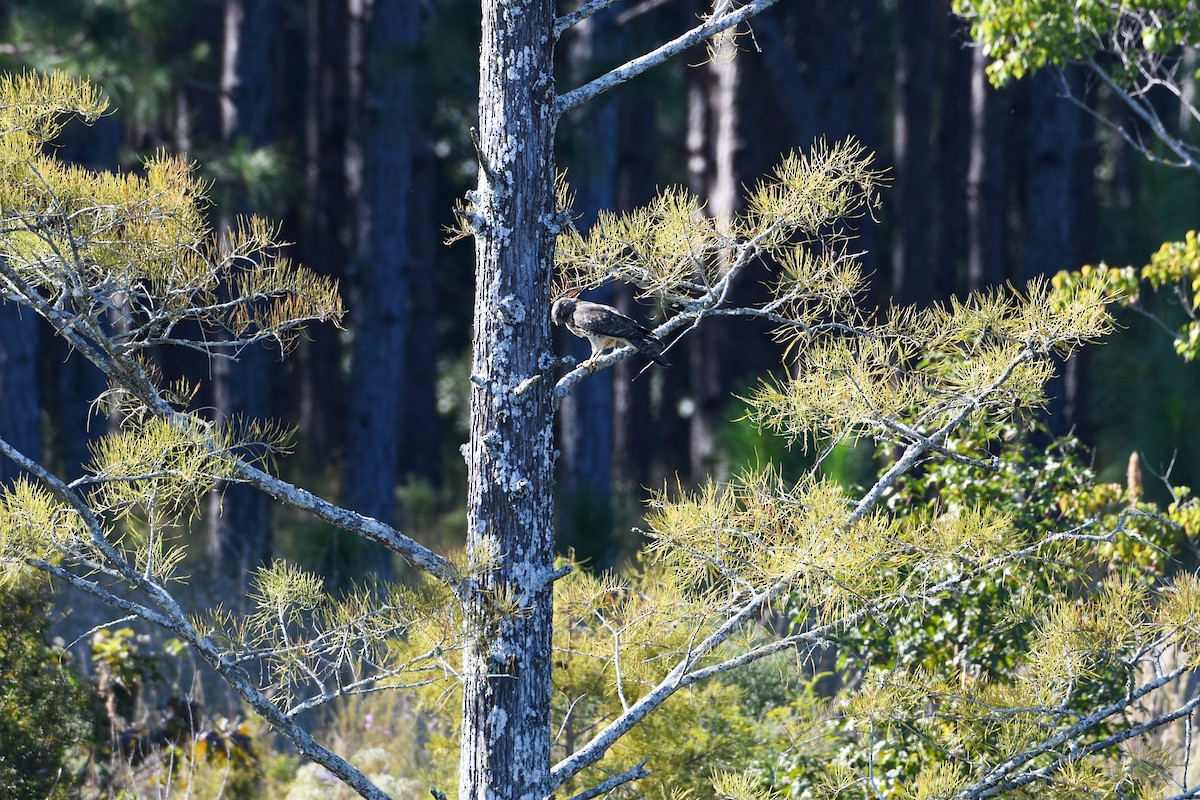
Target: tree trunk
point(75, 382)
point(713, 145)
point(239, 516)
point(585, 418)
point(634, 445)
point(326, 212)
point(986, 206)
point(953, 150)
point(420, 437)
point(505, 747)
point(20, 417)
point(383, 297)
point(912, 265)
point(1052, 211)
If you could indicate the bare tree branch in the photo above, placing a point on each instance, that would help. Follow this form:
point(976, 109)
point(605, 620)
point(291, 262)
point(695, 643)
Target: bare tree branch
point(588, 9)
point(631, 69)
point(632, 774)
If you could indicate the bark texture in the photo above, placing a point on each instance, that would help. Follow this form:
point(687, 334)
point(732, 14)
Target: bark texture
point(713, 145)
point(505, 748)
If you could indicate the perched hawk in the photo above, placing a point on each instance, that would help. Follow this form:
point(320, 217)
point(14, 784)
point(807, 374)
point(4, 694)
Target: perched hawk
point(606, 327)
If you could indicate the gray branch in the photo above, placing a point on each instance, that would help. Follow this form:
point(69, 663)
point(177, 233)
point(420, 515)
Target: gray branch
point(631, 69)
point(588, 9)
point(628, 775)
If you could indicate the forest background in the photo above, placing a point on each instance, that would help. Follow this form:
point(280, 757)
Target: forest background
point(349, 121)
point(294, 109)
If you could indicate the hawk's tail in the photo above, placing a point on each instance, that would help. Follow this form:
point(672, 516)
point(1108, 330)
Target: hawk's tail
point(652, 348)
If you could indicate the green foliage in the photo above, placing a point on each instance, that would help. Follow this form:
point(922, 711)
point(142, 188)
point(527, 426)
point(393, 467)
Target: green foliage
point(372, 637)
point(1022, 37)
point(44, 707)
point(135, 49)
point(1174, 270)
point(119, 264)
point(924, 368)
point(979, 673)
point(157, 741)
point(614, 639)
point(78, 244)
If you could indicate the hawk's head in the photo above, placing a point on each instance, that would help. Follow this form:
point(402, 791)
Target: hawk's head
point(562, 310)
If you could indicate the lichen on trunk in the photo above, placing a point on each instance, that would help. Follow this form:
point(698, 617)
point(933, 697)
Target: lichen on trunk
point(505, 751)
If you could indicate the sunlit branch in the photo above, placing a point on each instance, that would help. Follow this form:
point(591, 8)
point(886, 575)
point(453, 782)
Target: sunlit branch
point(631, 69)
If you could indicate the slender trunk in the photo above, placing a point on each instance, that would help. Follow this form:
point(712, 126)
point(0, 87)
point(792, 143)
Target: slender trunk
point(420, 437)
point(20, 418)
point(986, 249)
point(383, 307)
point(1051, 210)
point(74, 382)
point(239, 517)
point(713, 145)
point(634, 447)
point(953, 149)
point(912, 266)
point(320, 384)
point(1052, 205)
point(505, 748)
point(585, 418)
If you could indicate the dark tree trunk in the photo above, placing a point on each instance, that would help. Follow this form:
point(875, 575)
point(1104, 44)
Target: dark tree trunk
point(713, 145)
point(240, 517)
point(585, 418)
point(953, 149)
point(823, 61)
point(634, 445)
point(505, 737)
point(74, 381)
point(326, 218)
point(986, 195)
point(912, 248)
point(20, 416)
point(420, 437)
point(1052, 210)
point(382, 312)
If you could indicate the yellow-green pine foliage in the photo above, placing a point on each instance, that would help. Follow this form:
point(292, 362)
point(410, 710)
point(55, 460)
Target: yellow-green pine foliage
point(80, 246)
point(672, 251)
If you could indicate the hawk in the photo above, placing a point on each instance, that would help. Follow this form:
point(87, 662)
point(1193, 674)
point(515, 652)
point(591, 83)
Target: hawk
point(604, 327)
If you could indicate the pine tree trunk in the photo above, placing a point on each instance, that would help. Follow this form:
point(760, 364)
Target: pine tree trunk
point(505, 747)
point(634, 431)
point(986, 248)
point(20, 419)
point(713, 145)
point(327, 209)
point(420, 437)
point(239, 516)
point(953, 150)
point(912, 267)
point(383, 298)
point(585, 418)
point(1052, 207)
